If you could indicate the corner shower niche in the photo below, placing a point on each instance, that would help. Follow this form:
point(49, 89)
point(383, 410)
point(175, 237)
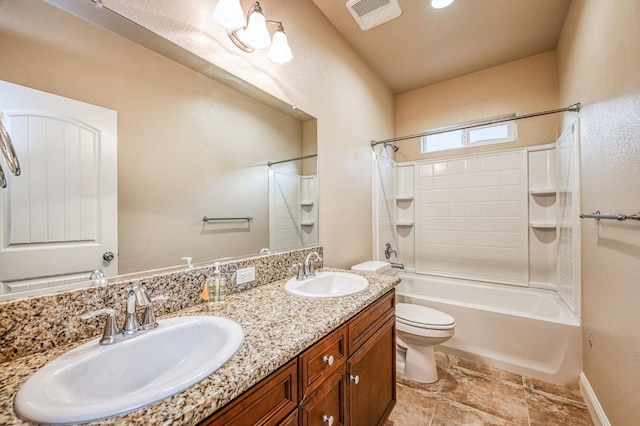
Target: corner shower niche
point(293, 210)
point(543, 240)
point(405, 213)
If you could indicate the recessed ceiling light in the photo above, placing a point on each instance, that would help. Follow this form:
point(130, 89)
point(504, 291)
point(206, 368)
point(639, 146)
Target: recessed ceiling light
point(439, 4)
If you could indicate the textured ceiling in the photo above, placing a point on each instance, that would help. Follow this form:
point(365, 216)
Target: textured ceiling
point(425, 45)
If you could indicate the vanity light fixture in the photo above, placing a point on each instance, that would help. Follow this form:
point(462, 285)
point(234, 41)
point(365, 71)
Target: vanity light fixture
point(251, 33)
point(440, 4)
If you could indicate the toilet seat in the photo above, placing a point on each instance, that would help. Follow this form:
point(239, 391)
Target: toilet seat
point(423, 317)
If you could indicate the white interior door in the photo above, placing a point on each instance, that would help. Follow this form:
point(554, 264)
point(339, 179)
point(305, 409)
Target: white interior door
point(59, 216)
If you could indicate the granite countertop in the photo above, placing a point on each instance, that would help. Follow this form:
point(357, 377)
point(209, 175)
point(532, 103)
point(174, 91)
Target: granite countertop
point(277, 326)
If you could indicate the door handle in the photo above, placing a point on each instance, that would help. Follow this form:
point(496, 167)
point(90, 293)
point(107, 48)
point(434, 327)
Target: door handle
point(108, 256)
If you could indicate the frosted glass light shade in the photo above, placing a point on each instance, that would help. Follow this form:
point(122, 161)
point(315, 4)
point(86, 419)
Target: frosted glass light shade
point(256, 34)
point(229, 14)
point(280, 52)
point(439, 4)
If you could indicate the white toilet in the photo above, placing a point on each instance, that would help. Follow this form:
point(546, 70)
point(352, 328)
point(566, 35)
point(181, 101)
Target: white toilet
point(418, 329)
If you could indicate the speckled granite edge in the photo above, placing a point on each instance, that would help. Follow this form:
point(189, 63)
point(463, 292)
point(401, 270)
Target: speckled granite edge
point(40, 323)
point(277, 325)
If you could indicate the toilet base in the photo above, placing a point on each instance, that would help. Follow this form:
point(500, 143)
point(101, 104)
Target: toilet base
point(420, 364)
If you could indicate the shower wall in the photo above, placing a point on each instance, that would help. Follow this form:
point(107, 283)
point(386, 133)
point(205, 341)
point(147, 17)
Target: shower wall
point(471, 217)
point(568, 252)
point(384, 212)
point(293, 210)
point(502, 217)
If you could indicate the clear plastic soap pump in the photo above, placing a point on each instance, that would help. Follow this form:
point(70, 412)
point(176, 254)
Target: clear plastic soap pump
point(216, 289)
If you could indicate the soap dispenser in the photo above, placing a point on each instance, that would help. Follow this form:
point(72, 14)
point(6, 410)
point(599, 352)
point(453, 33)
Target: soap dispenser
point(216, 288)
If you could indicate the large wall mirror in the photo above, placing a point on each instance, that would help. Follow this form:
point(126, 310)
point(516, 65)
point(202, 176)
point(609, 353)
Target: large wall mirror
point(188, 147)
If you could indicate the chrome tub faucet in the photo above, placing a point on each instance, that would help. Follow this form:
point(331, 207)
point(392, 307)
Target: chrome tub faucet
point(388, 250)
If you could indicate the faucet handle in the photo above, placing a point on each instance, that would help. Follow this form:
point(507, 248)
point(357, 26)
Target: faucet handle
point(300, 270)
point(148, 317)
point(111, 329)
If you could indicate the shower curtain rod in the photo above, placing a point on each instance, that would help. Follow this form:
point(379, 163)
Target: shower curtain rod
point(573, 108)
point(271, 163)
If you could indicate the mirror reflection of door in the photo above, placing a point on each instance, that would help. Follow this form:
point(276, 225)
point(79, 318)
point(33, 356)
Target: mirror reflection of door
point(59, 217)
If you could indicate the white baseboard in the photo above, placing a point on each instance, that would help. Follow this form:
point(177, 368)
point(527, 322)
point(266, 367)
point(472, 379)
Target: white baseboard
point(598, 415)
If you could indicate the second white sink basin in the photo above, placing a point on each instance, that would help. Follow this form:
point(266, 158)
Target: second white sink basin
point(327, 284)
point(92, 382)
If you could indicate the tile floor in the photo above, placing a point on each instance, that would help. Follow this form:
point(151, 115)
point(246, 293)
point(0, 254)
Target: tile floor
point(471, 394)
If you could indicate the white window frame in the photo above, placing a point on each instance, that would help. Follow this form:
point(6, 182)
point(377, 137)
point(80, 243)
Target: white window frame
point(465, 142)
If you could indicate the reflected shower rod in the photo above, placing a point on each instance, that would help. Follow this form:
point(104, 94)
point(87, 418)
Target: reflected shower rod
point(572, 108)
point(271, 163)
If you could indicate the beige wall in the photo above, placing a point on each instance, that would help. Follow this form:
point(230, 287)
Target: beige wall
point(326, 79)
point(187, 146)
point(524, 86)
point(599, 64)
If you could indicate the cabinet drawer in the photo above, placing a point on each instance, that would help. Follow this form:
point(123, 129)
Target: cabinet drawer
point(326, 406)
point(267, 403)
point(365, 324)
point(321, 360)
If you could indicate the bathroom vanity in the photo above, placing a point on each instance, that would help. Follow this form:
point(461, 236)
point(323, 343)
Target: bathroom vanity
point(348, 377)
point(303, 361)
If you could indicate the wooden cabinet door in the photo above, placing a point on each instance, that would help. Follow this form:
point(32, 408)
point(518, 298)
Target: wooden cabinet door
point(372, 377)
point(326, 406)
point(366, 323)
point(266, 404)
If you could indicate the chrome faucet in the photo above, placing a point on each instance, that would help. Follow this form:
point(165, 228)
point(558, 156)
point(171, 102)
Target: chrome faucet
point(309, 269)
point(137, 297)
point(388, 250)
point(97, 277)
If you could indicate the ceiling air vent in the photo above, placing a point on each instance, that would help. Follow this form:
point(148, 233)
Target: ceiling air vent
point(371, 13)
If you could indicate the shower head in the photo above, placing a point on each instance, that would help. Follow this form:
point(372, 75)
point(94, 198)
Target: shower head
point(395, 148)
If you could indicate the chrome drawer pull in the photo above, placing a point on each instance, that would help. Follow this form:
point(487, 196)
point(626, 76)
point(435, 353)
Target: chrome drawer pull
point(328, 419)
point(328, 359)
point(355, 379)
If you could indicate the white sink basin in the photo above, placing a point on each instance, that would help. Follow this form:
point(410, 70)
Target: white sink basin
point(92, 382)
point(327, 284)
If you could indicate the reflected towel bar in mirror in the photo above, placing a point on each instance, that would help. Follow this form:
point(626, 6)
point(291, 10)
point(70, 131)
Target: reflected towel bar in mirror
point(225, 219)
point(6, 146)
point(620, 217)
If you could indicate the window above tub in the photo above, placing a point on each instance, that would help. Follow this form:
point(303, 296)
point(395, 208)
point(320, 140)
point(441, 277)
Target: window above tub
point(472, 135)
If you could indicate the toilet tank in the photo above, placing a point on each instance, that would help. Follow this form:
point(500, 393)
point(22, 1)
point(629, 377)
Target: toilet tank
point(373, 267)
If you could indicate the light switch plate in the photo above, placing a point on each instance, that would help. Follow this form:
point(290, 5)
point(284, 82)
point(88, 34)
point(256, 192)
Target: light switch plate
point(245, 275)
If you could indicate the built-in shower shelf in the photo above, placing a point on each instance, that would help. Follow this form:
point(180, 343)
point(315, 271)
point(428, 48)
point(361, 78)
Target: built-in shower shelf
point(404, 198)
point(307, 223)
point(543, 192)
point(306, 203)
point(543, 224)
point(404, 223)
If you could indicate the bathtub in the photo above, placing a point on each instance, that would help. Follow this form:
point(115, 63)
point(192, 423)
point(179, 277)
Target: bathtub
point(526, 331)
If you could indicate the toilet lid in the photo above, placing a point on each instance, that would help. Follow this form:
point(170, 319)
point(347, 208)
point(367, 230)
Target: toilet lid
point(423, 317)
